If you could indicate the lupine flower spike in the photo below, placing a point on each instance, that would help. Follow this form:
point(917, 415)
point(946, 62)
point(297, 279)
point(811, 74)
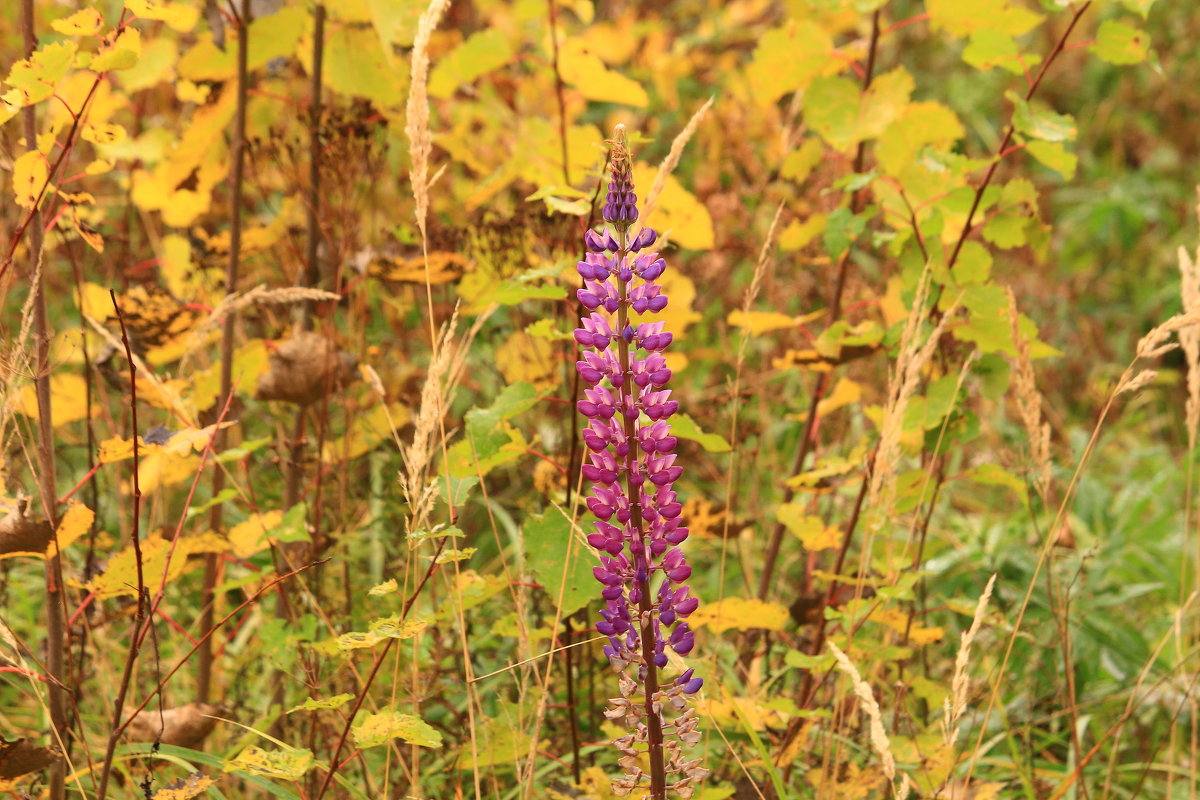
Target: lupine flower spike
point(632, 469)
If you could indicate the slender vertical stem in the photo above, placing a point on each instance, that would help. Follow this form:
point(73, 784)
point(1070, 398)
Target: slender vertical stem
point(313, 273)
point(558, 89)
point(658, 779)
point(56, 629)
point(211, 562)
point(141, 623)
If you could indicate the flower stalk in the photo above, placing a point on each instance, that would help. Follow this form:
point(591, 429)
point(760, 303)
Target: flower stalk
point(631, 466)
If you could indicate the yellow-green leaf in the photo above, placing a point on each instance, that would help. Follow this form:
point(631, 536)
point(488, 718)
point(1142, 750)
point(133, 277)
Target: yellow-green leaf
point(35, 77)
point(1118, 43)
point(787, 58)
point(178, 15)
point(809, 529)
point(289, 764)
point(381, 728)
point(481, 53)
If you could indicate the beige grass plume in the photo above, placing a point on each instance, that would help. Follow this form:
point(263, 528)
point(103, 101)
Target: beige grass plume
point(956, 703)
point(1029, 403)
point(879, 738)
point(1189, 338)
point(672, 160)
point(416, 125)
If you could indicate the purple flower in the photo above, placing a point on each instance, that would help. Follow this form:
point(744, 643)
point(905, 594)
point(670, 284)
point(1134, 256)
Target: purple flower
point(631, 466)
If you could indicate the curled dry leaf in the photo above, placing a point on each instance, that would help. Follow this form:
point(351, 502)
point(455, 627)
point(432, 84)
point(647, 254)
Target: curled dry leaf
point(183, 726)
point(21, 534)
point(302, 366)
point(20, 757)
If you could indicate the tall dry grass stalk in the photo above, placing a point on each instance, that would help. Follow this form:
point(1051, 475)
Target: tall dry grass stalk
point(879, 738)
point(956, 703)
point(914, 357)
point(1029, 404)
point(416, 125)
point(672, 160)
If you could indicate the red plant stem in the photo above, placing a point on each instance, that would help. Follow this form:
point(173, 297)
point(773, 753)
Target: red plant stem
point(135, 639)
point(1008, 135)
point(654, 743)
point(82, 481)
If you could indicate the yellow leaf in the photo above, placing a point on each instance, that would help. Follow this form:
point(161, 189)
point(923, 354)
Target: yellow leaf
point(98, 167)
point(87, 232)
point(179, 16)
point(82, 23)
point(250, 536)
point(810, 530)
point(678, 212)
point(787, 58)
point(756, 322)
point(584, 70)
point(185, 788)
point(103, 134)
point(845, 392)
point(527, 358)
point(737, 711)
point(679, 315)
point(75, 522)
point(163, 469)
point(120, 575)
point(738, 614)
point(30, 173)
point(898, 621)
point(68, 399)
point(443, 268)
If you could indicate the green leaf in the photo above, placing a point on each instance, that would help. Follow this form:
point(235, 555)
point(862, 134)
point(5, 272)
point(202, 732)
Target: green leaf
point(1118, 43)
point(381, 728)
point(547, 540)
point(294, 525)
point(974, 263)
point(799, 660)
point(842, 227)
point(337, 701)
point(1048, 126)
point(831, 106)
point(989, 49)
point(685, 427)
point(1055, 156)
point(481, 53)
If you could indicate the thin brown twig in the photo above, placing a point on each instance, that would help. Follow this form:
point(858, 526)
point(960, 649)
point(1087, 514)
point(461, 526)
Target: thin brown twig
point(135, 638)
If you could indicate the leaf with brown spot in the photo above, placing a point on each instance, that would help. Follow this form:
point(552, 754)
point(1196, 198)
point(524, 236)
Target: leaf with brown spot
point(185, 788)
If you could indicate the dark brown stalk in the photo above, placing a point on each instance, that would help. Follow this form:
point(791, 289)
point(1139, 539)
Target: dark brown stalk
point(56, 627)
point(835, 311)
point(658, 772)
point(135, 637)
point(211, 561)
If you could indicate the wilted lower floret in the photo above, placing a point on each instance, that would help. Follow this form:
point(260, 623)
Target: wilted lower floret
point(631, 465)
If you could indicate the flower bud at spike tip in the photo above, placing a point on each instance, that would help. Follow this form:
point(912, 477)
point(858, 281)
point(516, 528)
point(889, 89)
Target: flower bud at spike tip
point(631, 468)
